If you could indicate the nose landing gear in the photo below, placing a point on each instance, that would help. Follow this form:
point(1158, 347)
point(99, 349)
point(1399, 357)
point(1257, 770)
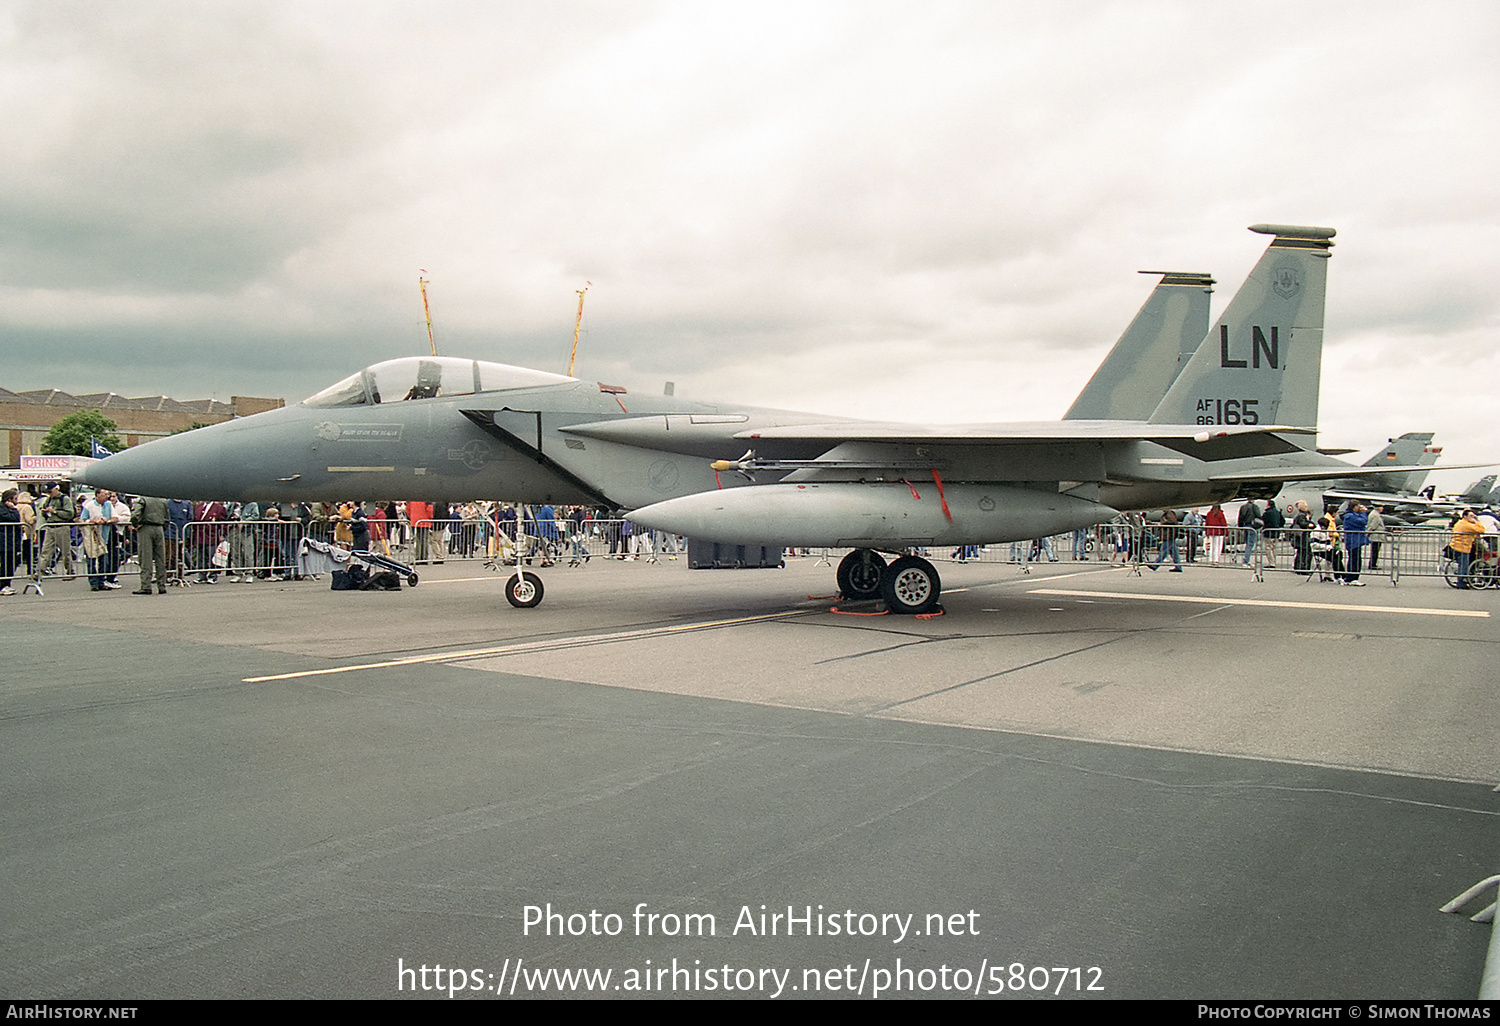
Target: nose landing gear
point(523, 590)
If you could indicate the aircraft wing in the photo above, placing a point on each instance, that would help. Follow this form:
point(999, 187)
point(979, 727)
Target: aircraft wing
point(1387, 499)
point(1204, 442)
point(1323, 473)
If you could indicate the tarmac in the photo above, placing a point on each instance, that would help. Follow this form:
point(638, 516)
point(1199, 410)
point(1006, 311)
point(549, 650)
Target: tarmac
point(1078, 782)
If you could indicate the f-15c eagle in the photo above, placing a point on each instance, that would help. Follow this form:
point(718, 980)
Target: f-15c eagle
point(1231, 409)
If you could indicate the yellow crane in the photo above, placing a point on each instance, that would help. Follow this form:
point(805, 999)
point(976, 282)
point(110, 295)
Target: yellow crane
point(422, 284)
point(577, 325)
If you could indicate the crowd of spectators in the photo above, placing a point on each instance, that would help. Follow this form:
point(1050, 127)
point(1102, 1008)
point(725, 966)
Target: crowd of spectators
point(1339, 545)
point(56, 531)
point(250, 541)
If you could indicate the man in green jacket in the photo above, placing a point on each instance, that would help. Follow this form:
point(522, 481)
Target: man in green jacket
point(149, 515)
point(57, 513)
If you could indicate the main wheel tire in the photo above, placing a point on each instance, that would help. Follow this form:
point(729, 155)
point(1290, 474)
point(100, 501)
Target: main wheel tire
point(524, 591)
point(910, 586)
point(411, 580)
point(1450, 573)
point(859, 574)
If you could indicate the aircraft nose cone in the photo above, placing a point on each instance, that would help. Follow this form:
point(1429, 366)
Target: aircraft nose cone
point(185, 466)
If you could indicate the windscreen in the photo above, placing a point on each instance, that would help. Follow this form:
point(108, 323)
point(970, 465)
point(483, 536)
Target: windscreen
point(428, 377)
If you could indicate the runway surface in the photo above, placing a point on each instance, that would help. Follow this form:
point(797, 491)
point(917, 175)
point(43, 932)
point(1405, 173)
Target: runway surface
point(1187, 785)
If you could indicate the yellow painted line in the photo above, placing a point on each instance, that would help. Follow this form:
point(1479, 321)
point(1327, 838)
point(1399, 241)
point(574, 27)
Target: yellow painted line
point(530, 646)
point(1208, 601)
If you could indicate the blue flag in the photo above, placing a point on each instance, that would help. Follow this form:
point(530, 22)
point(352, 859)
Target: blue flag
point(96, 450)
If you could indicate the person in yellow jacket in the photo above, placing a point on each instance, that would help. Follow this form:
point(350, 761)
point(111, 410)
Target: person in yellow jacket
point(343, 518)
point(1466, 532)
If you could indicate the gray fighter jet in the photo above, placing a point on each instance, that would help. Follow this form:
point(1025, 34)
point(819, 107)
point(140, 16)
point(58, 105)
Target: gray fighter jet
point(1481, 493)
point(1396, 489)
point(1239, 415)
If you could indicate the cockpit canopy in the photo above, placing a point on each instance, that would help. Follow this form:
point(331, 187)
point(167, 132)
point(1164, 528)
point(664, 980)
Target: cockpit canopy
point(426, 377)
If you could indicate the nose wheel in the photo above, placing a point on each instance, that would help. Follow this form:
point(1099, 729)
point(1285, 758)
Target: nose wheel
point(523, 590)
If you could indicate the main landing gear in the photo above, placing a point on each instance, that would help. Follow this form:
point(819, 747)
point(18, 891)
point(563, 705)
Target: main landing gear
point(859, 574)
point(910, 585)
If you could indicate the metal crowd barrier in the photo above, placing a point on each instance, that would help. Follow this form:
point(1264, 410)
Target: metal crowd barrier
point(264, 549)
point(434, 541)
point(1120, 543)
point(437, 541)
point(1392, 553)
point(15, 554)
point(1427, 552)
point(243, 550)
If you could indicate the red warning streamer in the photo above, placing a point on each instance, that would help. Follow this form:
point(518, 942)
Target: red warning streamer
point(941, 498)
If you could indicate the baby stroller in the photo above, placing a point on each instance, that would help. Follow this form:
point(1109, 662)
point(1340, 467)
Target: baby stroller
point(351, 570)
point(383, 562)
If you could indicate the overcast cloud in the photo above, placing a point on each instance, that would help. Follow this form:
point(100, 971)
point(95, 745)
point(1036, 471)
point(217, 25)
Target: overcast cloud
point(926, 212)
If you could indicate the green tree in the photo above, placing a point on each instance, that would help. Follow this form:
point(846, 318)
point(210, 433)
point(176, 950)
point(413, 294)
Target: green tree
point(70, 436)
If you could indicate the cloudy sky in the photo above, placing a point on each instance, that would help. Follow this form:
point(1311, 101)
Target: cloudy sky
point(909, 211)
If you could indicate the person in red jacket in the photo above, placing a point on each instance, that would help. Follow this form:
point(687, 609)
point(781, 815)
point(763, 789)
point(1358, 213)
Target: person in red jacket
point(1215, 527)
point(204, 535)
point(419, 514)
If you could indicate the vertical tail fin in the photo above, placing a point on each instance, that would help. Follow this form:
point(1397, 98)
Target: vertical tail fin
point(1155, 347)
point(1481, 491)
point(1413, 449)
point(1261, 362)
